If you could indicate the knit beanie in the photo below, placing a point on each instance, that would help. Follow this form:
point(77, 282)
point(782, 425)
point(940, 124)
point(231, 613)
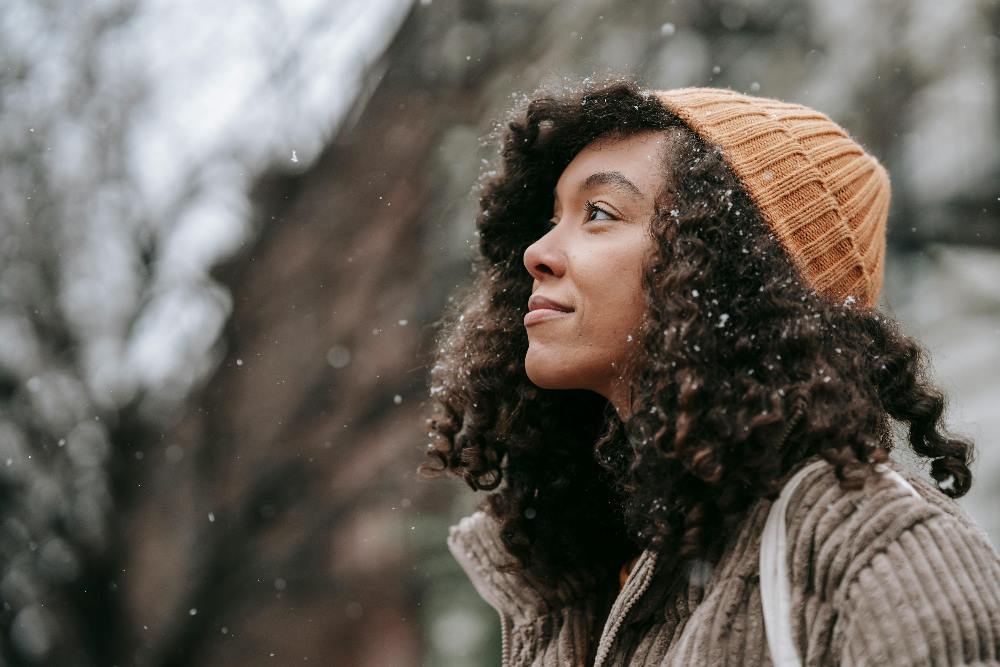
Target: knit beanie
point(822, 195)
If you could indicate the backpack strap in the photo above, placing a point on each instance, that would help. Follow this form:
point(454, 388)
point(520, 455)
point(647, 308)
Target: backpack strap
point(775, 589)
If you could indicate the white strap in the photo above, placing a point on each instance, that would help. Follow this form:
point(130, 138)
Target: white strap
point(899, 479)
point(774, 587)
point(775, 590)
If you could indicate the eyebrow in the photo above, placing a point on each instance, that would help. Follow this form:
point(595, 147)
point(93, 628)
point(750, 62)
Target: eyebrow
point(614, 178)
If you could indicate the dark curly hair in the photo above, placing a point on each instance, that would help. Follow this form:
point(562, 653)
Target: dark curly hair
point(741, 372)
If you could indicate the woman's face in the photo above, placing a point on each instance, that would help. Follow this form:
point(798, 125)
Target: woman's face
point(590, 262)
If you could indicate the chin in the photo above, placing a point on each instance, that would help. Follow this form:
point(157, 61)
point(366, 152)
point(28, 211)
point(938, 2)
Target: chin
point(546, 375)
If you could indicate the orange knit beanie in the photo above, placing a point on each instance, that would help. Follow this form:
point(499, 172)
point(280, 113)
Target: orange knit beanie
point(824, 197)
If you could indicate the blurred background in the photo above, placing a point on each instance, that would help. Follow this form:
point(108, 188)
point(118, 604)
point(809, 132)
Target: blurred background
point(227, 230)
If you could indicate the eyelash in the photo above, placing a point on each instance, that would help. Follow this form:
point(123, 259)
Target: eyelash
point(591, 208)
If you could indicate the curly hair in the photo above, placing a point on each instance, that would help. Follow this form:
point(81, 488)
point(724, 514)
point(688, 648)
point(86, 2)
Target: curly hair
point(741, 369)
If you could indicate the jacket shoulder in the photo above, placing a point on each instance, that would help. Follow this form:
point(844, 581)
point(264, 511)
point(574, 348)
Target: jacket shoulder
point(833, 531)
point(901, 560)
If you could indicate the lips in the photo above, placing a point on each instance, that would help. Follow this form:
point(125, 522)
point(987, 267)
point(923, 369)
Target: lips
point(542, 308)
point(538, 301)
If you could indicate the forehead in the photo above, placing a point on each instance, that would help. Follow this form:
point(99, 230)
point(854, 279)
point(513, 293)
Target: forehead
point(639, 157)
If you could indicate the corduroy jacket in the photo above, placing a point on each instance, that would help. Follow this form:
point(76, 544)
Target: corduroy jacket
point(878, 577)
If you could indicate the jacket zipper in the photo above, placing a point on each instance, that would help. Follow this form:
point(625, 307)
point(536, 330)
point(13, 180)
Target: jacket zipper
point(504, 640)
point(635, 586)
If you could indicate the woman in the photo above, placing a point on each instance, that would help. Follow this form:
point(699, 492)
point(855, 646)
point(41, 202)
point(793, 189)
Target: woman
point(674, 313)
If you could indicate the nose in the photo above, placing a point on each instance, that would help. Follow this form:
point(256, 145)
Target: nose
point(544, 257)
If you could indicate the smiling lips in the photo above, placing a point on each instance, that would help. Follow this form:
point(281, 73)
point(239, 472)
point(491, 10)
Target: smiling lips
point(541, 308)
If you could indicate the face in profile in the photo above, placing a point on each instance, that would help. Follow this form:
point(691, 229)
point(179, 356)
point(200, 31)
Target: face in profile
point(587, 301)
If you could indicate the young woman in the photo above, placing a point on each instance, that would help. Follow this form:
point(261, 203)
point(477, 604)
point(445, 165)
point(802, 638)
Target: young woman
point(672, 316)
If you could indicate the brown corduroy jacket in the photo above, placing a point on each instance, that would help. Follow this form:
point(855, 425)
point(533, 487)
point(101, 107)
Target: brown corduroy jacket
point(878, 577)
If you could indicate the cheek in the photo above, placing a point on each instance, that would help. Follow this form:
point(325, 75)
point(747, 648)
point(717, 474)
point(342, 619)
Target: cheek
point(620, 272)
point(628, 309)
point(615, 301)
point(607, 274)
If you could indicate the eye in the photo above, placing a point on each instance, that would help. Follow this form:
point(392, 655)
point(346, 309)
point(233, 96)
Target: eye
point(593, 208)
